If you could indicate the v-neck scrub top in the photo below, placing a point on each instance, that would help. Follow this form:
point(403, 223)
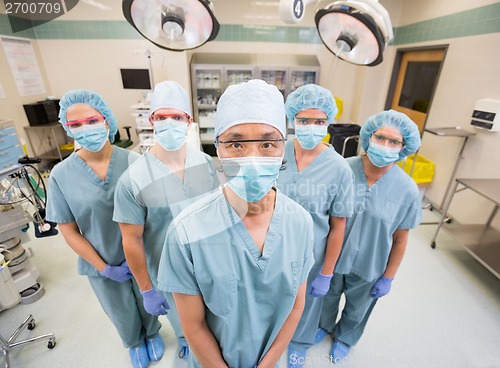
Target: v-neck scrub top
point(77, 194)
point(248, 295)
point(324, 188)
point(149, 194)
point(391, 203)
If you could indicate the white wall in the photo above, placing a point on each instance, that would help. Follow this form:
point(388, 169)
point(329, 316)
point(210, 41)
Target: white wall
point(11, 107)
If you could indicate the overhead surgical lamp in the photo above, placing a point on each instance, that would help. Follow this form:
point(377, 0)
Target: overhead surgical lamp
point(356, 31)
point(174, 25)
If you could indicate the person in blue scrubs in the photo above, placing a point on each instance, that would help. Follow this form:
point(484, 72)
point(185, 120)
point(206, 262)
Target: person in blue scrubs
point(155, 188)
point(237, 260)
point(321, 181)
point(80, 199)
point(387, 206)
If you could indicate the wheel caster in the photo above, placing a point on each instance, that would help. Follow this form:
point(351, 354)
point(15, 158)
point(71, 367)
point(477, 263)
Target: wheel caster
point(51, 344)
point(31, 325)
point(431, 208)
point(433, 245)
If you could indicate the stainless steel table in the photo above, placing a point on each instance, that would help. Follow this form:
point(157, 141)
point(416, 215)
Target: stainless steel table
point(481, 241)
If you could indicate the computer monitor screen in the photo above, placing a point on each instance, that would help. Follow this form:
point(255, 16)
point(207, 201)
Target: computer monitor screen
point(135, 78)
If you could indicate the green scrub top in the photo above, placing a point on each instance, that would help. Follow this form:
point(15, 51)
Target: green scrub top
point(149, 194)
point(248, 295)
point(325, 188)
point(392, 203)
point(77, 194)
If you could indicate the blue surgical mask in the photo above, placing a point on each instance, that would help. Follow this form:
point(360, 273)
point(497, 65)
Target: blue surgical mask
point(251, 177)
point(310, 135)
point(171, 134)
point(91, 137)
point(382, 156)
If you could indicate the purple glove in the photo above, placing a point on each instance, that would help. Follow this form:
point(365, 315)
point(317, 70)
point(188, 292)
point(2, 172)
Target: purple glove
point(154, 302)
point(117, 273)
point(381, 287)
point(320, 285)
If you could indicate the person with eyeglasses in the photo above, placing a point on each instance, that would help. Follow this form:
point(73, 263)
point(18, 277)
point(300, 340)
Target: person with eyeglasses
point(321, 181)
point(81, 200)
point(387, 206)
point(237, 260)
point(158, 186)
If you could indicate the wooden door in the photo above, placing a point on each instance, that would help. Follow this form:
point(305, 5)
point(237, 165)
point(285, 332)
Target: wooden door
point(415, 84)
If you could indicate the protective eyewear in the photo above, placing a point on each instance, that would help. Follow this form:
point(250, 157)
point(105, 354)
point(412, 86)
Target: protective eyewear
point(73, 124)
point(245, 147)
point(158, 118)
point(380, 139)
point(315, 121)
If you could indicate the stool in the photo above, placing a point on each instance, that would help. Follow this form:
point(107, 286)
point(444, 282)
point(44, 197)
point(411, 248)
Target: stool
point(11, 344)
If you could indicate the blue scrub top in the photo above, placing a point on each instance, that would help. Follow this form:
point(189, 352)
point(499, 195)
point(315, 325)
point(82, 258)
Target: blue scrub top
point(248, 295)
point(149, 194)
point(391, 203)
point(77, 194)
point(325, 188)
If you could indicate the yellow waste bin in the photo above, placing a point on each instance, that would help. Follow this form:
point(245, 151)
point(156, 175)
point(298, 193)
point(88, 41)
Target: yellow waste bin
point(423, 171)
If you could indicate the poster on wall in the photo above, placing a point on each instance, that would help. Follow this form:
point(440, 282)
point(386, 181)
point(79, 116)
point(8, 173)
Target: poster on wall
point(23, 65)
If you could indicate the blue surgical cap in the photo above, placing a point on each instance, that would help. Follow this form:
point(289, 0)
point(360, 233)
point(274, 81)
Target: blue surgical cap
point(310, 96)
point(254, 101)
point(169, 95)
point(394, 119)
point(94, 100)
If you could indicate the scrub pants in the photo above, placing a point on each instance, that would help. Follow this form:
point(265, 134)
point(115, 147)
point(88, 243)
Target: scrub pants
point(173, 318)
point(358, 307)
point(305, 333)
point(123, 304)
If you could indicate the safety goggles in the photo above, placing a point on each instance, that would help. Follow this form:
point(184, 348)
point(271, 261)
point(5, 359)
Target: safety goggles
point(380, 139)
point(248, 147)
point(74, 124)
point(158, 118)
point(309, 121)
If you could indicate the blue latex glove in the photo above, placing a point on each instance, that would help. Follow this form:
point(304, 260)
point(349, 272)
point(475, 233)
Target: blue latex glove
point(117, 273)
point(381, 287)
point(154, 302)
point(320, 285)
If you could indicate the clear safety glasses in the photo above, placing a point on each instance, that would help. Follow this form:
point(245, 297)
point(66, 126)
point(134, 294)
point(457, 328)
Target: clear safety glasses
point(74, 124)
point(310, 121)
point(158, 118)
point(380, 139)
point(252, 147)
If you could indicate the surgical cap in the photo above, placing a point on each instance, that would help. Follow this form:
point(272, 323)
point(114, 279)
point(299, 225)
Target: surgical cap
point(397, 120)
point(310, 96)
point(94, 100)
point(254, 101)
point(169, 95)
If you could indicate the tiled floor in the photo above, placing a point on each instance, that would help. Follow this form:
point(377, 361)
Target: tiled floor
point(443, 311)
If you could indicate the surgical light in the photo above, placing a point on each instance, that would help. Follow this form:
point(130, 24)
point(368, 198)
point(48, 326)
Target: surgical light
point(175, 25)
point(356, 31)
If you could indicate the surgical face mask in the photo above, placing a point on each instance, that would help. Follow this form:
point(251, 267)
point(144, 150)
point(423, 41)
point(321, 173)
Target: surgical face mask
point(310, 135)
point(382, 156)
point(251, 177)
point(171, 134)
point(91, 137)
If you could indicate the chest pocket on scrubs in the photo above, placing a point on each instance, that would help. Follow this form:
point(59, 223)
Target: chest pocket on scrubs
point(219, 293)
point(392, 212)
point(296, 268)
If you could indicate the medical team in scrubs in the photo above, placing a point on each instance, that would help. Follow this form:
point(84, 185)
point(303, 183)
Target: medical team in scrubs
point(387, 206)
point(154, 189)
point(81, 199)
point(321, 181)
point(237, 261)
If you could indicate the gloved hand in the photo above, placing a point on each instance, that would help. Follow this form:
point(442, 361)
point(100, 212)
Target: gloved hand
point(320, 285)
point(154, 302)
point(117, 273)
point(381, 287)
